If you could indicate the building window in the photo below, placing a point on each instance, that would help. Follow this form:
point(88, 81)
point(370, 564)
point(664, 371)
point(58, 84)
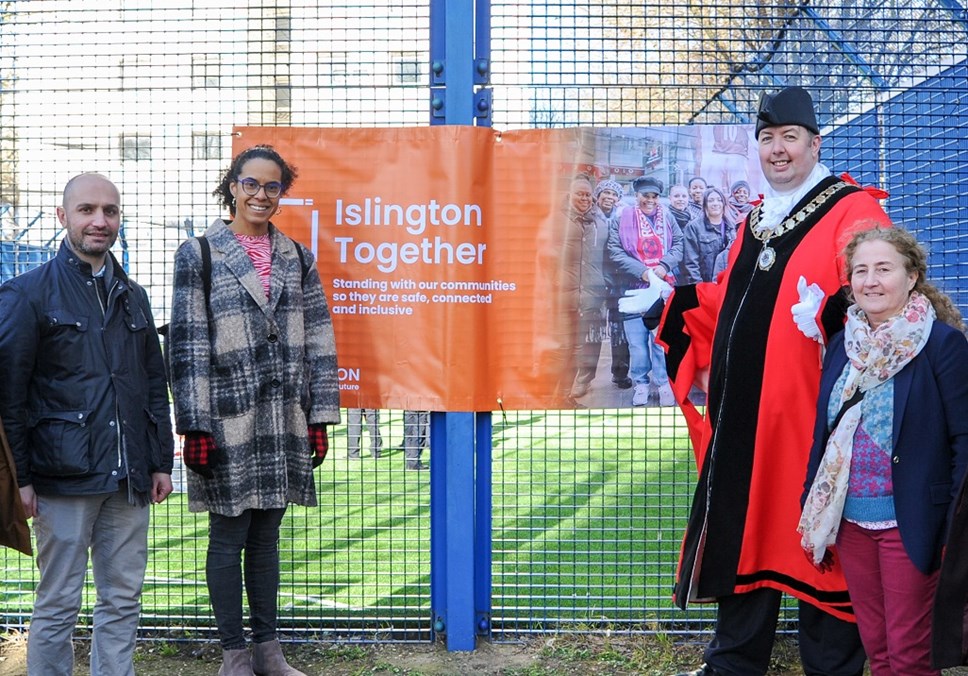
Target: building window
point(135, 147)
point(135, 71)
point(206, 70)
point(283, 93)
point(283, 32)
point(334, 67)
point(406, 68)
point(206, 146)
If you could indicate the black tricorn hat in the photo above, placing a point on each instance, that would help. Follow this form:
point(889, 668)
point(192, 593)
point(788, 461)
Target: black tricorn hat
point(792, 105)
point(647, 184)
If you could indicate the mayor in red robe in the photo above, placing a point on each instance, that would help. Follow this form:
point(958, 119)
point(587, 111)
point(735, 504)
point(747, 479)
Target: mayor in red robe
point(738, 339)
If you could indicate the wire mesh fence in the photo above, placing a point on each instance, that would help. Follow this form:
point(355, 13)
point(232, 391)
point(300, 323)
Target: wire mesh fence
point(588, 505)
point(588, 510)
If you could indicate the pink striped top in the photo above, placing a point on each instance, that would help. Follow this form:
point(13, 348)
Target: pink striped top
point(259, 248)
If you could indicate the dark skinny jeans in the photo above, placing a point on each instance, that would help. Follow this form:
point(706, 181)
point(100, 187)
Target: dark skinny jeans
point(257, 532)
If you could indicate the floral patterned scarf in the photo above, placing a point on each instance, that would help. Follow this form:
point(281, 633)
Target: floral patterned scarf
point(875, 356)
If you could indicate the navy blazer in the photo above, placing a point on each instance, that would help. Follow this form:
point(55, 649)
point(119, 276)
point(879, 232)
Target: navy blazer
point(930, 453)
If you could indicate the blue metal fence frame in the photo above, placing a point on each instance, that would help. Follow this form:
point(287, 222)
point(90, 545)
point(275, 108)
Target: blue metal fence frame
point(460, 500)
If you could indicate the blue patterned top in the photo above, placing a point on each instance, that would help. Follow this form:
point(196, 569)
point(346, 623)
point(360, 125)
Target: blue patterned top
point(870, 492)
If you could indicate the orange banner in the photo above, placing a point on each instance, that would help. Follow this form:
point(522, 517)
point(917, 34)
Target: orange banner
point(446, 257)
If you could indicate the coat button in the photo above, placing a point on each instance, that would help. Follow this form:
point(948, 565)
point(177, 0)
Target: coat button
point(272, 338)
point(275, 382)
point(896, 460)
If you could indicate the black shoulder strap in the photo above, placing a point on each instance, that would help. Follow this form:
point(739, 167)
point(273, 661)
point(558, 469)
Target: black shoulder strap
point(206, 267)
point(206, 277)
point(302, 259)
point(854, 398)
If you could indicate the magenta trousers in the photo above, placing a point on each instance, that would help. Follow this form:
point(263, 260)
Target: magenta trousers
point(892, 600)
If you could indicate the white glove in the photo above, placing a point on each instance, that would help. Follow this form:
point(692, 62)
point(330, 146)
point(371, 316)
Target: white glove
point(665, 289)
point(805, 312)
point(637, 301)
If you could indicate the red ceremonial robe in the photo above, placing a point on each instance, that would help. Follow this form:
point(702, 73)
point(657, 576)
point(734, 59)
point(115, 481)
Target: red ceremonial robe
point(753, 442)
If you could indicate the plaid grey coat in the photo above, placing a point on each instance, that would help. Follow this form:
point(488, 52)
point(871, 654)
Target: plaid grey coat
point(251, 371)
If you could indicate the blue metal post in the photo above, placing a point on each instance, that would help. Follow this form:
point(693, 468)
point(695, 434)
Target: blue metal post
point(459, 61)
point(482, 525)
point(460, 526)
point(482, 420)
point(459, 531)
point(454, 543)
point(438, 520)
point(438, 59)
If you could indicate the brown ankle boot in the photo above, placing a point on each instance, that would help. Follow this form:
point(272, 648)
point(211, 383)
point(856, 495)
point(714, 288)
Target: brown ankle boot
point(236, 663)
point(267, 660)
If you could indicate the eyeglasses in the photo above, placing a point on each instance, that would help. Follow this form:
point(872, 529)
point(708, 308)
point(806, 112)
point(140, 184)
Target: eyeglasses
point(250, 186)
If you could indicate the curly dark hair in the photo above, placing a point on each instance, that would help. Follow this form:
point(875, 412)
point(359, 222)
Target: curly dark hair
point(264, 152)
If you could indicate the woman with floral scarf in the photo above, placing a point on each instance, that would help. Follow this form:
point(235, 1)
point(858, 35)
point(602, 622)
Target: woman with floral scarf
point(890, 447)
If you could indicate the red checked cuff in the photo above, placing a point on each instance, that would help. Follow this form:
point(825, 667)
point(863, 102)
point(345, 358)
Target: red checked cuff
point(199, 453)
point(318, 443)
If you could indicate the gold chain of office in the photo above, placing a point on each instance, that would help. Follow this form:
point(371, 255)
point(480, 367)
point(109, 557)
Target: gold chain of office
point(767, 255)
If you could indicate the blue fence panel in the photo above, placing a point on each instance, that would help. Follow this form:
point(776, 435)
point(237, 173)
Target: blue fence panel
point(17, 258)
point(927, 142)
point(856, 149)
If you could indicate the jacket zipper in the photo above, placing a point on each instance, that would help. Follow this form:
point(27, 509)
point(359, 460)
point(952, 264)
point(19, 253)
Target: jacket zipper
point(117, 412)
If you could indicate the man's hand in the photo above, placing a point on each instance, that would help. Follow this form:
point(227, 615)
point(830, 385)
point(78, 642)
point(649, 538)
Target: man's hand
point(805, 312)
point(160, 487)
point(29, 500)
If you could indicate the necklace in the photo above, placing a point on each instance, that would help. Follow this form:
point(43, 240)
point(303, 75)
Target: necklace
point(767, 256)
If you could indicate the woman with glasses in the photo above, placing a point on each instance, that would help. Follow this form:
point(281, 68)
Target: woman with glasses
point(253, 375)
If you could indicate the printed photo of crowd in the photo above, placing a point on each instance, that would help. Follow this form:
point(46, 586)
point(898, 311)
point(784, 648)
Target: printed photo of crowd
point(644, 208)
